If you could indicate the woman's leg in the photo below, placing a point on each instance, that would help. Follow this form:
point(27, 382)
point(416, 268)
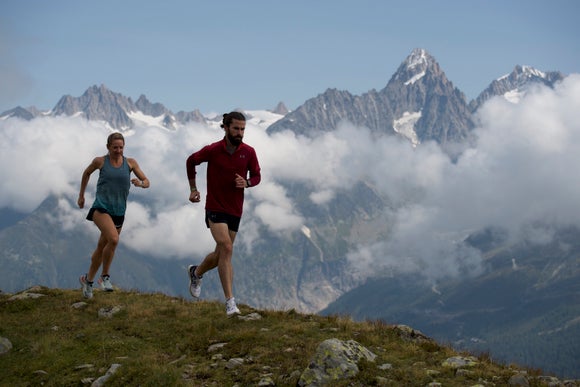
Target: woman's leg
point(108, 241)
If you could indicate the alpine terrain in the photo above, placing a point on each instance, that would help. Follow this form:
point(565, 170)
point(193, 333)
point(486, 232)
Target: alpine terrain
point(521, 305)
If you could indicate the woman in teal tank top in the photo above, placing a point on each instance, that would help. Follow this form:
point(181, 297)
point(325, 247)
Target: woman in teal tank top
point(108, 209)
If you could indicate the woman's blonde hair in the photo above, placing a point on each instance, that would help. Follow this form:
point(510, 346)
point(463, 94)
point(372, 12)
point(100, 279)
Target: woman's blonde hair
point(115, 136)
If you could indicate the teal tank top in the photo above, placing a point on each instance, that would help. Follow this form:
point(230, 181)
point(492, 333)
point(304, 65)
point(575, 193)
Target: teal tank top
point(113, 188)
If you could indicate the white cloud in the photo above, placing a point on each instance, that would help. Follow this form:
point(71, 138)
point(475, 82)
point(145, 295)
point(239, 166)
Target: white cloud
point(45, 156)
point(274, 209)
point(521, 169)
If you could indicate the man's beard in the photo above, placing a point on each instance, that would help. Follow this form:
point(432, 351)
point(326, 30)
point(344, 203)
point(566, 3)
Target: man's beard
point(234, 140)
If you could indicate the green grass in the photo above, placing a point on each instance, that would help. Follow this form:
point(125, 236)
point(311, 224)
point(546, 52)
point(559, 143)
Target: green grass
point(163, 341)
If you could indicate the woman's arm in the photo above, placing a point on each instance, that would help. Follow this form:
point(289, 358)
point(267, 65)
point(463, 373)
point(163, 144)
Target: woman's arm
point(142, 180)
point(97, 163)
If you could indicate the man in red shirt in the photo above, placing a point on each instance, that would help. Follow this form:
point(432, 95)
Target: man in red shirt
point(232, 167)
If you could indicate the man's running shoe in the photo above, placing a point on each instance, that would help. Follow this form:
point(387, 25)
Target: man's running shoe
point(231, 308)
point(105, 282)
point(86, 286)
point(194, 281)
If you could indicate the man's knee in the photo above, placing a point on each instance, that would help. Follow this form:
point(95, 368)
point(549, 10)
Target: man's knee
point(225, 248)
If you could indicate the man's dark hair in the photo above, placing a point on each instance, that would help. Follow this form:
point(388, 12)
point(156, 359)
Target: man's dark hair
point(228, 117)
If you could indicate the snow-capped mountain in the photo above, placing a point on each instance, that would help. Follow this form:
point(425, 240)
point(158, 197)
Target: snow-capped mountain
point(98, 103)
point(22, 113)
point(514, 85)
point(418, 103)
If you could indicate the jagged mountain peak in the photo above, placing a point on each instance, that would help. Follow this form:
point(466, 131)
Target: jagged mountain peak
point(99, 103)
point(419, 57)
point(418, 97)
point(280, 109)
point(94, 89)
point(152, 109)
point(18, 112)
point(417, 65)
point(102, 95)
point(514, 85)
point(522, 74)
point(528, 71)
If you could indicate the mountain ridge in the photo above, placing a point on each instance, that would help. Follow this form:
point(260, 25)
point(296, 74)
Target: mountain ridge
point(418, 90)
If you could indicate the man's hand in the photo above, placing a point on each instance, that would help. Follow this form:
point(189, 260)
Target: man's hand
point(194, 196)
point(240, 182)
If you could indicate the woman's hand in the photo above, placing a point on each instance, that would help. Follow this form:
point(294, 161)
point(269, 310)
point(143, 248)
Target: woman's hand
point(137, 183)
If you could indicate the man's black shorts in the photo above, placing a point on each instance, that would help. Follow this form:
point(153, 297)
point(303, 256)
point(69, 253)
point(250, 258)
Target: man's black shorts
point(233, 222)
point(117, 220)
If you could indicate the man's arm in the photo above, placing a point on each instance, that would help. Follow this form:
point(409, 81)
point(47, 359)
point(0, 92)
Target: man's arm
point(193, 160)
point(254, 169)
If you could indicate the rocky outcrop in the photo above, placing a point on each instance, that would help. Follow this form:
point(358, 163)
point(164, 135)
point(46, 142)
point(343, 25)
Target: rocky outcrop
point(334, 360)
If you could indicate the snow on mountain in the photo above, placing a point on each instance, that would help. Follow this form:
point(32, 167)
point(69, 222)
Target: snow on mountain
point(142, 119)
point(260, 118)
point(405, 126)
point(414, 67)
point(416, 63)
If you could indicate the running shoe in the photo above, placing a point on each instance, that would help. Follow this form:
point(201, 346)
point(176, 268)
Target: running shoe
point(86, 286)
point(231, 308)
point(194, 281)
point(105, 282)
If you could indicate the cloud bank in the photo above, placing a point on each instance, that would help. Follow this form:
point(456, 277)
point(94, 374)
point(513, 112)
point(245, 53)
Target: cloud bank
point(520, 170)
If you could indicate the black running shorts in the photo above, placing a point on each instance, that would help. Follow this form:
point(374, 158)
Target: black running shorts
point(117, 220)
point(233, 222)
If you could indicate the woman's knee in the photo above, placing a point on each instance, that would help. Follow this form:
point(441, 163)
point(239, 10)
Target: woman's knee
point(112, 239)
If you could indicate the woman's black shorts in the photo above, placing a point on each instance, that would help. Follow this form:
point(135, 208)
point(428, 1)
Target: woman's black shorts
point(117, 220)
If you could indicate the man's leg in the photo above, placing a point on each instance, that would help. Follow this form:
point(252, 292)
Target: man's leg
point(224, 239)
point(209, 262)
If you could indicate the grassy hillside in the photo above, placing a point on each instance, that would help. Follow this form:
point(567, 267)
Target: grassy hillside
point(165, 341)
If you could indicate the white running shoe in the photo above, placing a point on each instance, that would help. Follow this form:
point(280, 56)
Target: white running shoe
point(231, 308)
point(194, 281)
point(105, 282)
point(86, 286)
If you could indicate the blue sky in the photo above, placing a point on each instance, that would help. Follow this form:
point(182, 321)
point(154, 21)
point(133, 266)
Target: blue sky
point(222, 55)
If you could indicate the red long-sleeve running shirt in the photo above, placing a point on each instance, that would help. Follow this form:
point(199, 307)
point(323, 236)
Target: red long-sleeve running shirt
point(222, 194)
